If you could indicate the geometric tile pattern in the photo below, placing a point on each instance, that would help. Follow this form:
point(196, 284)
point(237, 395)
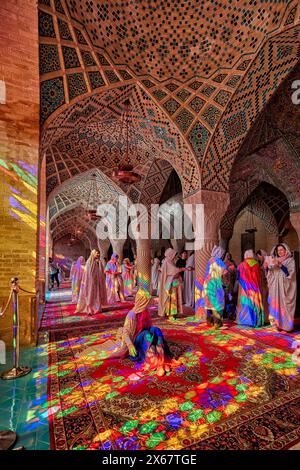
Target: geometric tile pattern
point(70, 57)
point(52, 92)
point(181, 42)
point(96, 79)
point(88, 135)
point(76, 192)
point(275, 164)
point(48, 58)
point(198, 138)
point(211, 114)
point(64, 30)
point(76, 85)
point(262, 79)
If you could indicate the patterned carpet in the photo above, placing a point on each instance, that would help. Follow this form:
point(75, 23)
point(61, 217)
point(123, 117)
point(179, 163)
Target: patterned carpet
point(234, 389)
point(61, 315)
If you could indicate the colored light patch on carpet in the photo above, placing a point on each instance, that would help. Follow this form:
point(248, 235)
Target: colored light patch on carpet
point(108, 404)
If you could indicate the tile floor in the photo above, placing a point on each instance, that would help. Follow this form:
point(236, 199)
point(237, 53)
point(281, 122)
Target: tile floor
point(23, 402)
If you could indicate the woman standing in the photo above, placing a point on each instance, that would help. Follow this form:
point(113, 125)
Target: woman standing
point(139, 340)
point(213, 291)
point(281, 276)
point(114, 282)
point(250, 310)
point(170, 292)
point(127, 276)
point(261, 257)
point(92, 293)
point(155, 275)
point(77, 275)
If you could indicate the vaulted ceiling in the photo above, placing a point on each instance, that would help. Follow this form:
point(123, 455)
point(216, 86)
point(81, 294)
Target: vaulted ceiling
point(198, 74)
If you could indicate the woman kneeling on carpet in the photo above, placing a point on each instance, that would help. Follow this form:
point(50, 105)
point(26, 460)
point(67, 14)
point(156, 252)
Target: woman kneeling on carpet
point(139, 340)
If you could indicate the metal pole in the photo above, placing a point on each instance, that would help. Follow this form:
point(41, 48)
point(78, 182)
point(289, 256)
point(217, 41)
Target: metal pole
point(16, 371)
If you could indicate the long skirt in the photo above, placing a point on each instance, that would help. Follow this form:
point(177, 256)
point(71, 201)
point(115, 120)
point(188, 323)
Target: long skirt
point(174, 303)
point(152, 348)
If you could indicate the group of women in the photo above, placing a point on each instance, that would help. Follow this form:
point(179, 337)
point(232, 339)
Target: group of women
point(261, 290)
point(266, 293)
point(96, 283)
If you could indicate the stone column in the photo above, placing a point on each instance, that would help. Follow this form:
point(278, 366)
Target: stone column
point(144, 263)
point(214, 207)
point(177, 245)
point(295, 221)
point(103, 246)
point(117, 246)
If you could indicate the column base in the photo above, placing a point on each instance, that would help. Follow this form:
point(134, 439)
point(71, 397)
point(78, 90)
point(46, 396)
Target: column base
point(15, 373)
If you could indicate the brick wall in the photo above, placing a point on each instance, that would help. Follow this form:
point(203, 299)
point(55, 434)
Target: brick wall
point(19, 147)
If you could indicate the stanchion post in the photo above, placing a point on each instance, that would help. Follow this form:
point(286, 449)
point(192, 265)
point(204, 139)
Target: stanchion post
point(17, 370)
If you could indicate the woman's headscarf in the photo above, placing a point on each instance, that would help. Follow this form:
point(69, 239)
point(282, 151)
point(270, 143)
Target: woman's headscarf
point(170, 254)
point(80, 261)
point(142, 301)
point(93, 254)
point(288, 253)
point(217, 252)
point(249, 254)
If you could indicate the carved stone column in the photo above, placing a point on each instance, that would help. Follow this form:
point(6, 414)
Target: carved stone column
point(214, 207)
point(295, 221)
point(144, 263)
point(118, 246)
point(103, 246)
point(177, 245)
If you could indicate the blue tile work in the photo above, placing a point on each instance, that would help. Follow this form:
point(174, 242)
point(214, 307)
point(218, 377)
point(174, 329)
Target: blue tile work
point(23, 402)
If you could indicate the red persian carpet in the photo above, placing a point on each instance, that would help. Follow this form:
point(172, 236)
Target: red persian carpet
point(234, 389)
point(61, 315)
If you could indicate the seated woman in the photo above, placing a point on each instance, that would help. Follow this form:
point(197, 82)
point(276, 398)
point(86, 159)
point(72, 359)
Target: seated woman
point(139, 340)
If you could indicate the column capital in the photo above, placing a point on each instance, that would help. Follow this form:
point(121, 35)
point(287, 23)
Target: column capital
point(295, 221)
point(214, 206)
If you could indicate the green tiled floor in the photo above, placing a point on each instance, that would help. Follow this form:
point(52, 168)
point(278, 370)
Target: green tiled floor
point(23, 402)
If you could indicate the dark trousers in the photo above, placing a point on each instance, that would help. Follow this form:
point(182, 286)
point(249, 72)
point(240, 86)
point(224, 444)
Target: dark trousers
point(54, 277)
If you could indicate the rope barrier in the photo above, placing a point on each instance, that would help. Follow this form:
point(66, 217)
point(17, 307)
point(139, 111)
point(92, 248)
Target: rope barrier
point(2, 312)
point(27, 291)
point(17, 370)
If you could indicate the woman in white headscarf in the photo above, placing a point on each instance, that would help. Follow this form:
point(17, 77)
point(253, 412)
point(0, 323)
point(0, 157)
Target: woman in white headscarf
point(77, 275)
point(281, 276)
point(92, 293)
point(155, 275)
point(170, 293)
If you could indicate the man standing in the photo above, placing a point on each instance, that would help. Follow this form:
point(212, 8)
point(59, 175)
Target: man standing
point(181, 262)
point(53, 269)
